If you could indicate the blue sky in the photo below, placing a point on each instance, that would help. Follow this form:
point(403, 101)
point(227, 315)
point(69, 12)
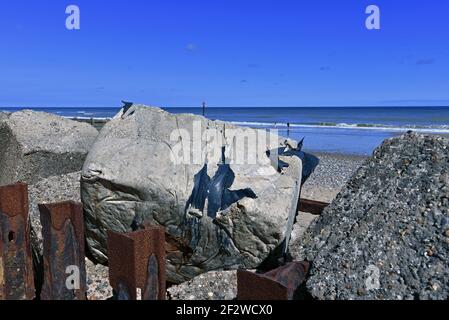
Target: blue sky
point(225, 52)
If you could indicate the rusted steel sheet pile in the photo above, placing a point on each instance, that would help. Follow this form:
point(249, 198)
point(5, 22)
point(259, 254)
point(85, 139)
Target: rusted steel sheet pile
point(16, 264)
point(64, 258)
point(137, 261)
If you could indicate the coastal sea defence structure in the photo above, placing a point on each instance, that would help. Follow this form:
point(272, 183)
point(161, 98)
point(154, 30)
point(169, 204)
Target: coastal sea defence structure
point(137, 260)
point(137, 264)
point(150, 166)
point(46, 152)
point(386, 235)
point(63, 237)
point(37, 145)
point(16, 264)
point(78, 137)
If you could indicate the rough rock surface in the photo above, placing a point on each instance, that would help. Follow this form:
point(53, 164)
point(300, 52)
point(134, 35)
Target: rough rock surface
point(3, 116)
point(98, 287)
point(36, 145)
point(386, 236)
point(214, 285)
point(59, 188)
point(303, 221)
point(129, 180)
point(47, 152)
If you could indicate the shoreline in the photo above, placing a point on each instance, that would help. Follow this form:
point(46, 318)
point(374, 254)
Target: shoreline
point(333, 172)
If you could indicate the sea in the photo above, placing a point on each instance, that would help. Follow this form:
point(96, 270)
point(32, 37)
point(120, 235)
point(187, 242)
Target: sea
point(344, 130)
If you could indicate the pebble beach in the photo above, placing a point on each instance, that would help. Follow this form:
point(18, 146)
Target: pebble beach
point(331, 175)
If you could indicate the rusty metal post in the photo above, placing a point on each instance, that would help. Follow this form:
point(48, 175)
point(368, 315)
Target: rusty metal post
point(137, 261)
point(16, 263)
point(280, 284)
point(64, 257)
point(313, 207)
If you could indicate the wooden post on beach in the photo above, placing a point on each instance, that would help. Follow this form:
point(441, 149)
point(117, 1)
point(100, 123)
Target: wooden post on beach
point(204, 109)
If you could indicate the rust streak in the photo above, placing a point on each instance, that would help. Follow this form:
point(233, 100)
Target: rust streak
point(137, 261)
point(16, 265)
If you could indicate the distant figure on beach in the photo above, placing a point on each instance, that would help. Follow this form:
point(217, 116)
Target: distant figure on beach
point(288, 129)
point(204, 109)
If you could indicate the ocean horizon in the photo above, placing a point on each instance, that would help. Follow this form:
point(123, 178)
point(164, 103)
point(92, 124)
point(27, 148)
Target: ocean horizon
point(346, 130)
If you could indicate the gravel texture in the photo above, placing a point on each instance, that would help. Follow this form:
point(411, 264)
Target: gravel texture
point(38, 145)
point(98, 287)
point(62, 188)
point(324, 184)
point(51, 190)
point(214, 285)
point(331, 175)
point(386, 236)
point(4, 115)
point(303, 221)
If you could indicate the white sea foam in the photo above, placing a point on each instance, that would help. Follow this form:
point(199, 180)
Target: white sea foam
point(443, 129)
point(88, 118)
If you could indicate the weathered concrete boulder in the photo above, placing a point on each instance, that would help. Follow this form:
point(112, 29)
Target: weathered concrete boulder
point(213, 285)
point(37, 145)
point(386, 236)
point(3, 116)
point(217, 216)
point(47, 152)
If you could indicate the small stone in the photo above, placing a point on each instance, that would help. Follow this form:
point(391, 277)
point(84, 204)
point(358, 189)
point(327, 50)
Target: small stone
point(98, 282)
point(214, 285)
point(361, 292)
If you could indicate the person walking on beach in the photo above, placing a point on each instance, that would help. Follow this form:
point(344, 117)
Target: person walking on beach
point(288, 129)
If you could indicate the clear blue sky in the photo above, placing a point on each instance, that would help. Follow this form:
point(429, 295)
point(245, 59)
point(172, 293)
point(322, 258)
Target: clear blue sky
point(226, 52)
